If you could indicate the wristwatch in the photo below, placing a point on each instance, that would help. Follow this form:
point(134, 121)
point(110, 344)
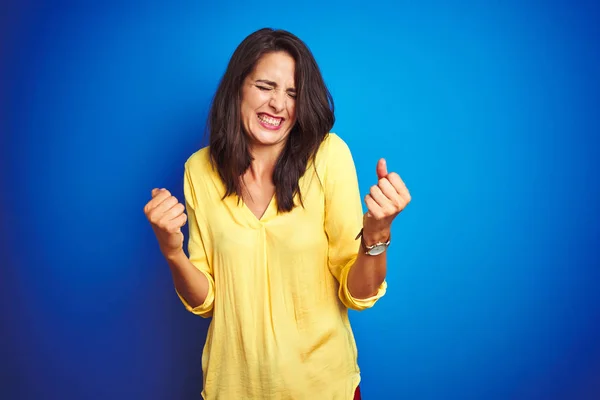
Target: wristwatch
point(377, 248)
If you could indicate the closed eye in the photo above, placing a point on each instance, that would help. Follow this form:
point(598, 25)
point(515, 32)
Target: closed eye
point(291, 93)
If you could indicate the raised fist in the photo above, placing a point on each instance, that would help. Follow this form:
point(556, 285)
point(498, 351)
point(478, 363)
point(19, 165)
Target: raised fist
point(166, 215)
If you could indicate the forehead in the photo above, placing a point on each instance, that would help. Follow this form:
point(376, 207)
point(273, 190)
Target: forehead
point(278, 67)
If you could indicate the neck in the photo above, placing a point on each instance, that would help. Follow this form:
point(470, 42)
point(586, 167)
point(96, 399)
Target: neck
point(263, 163)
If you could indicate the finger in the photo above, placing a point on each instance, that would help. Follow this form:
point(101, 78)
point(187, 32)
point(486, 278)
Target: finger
point(180, 221)
point(174, 212)
point(377, 195)
point(157, 213)
point(397, 200)
point(374, 208)
point(400, 187)
point(159, 196)
point(406, 196)
point(162, 193)
point(396, 182)
point(175, 225)
point(381, 168)
point(387, 188)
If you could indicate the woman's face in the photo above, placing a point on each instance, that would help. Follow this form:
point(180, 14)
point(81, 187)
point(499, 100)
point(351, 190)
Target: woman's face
point(268, 104)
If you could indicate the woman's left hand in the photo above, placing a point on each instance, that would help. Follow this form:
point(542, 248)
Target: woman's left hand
point(384, 202)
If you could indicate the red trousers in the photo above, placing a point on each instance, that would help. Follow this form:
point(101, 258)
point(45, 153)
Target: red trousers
point(357, 394)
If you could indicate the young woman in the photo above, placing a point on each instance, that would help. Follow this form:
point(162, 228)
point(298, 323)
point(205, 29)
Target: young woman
point(279, 248)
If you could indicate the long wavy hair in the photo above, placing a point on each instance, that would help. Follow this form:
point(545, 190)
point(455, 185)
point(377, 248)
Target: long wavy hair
point(229, 144)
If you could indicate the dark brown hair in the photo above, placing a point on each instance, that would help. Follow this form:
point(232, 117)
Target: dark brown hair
point(314, 116)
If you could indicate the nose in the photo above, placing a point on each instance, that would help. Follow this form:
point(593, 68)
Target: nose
point(277, 102)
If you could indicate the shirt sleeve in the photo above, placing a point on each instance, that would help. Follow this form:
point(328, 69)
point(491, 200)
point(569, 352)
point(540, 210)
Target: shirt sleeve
point(197, 247)
point(343, 220)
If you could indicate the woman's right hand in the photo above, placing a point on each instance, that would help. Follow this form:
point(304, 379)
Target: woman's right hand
point(166, 215)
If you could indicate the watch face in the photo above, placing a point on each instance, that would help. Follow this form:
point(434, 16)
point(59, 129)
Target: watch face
point(377, 250)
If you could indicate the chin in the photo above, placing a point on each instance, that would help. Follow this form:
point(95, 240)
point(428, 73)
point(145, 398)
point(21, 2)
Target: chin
point(270, 137)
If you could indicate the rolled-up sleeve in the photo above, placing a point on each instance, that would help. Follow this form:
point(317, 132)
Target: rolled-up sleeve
point(343, 220)
point(197, 247)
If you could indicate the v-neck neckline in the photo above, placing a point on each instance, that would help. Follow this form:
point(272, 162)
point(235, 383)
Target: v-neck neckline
point(243, 211)
point(266, 214)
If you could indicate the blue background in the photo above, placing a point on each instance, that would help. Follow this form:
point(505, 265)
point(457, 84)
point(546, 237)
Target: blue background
point(488, 110)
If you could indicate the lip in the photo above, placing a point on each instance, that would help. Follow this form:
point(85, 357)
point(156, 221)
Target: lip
point(267, 126)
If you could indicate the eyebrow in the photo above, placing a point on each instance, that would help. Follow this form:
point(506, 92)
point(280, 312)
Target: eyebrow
point(271, 83)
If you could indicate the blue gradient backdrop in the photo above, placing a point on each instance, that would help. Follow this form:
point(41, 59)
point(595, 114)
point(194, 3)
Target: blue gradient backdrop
point(488, 110)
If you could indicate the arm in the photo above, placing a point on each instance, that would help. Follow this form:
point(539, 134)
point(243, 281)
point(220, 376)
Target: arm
point(361, 276)
point(192, 277)
point(384, 202)
point(343, 221)
point(367, 274)
point(191, 284)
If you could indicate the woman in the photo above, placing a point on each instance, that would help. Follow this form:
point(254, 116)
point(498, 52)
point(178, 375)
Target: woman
point(278, 246)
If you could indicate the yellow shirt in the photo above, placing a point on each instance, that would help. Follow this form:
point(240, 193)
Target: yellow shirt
point(278, 292)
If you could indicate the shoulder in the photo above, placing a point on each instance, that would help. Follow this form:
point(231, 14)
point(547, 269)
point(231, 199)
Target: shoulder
point(199, 170)
point(333, 144)
point(333, 150)
point(333, 161)
point(199, 161)
point(200, 178)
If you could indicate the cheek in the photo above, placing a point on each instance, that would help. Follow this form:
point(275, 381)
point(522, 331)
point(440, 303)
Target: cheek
point(257, 99)
point(250, 103)
point(292, 112)
point(247, 111)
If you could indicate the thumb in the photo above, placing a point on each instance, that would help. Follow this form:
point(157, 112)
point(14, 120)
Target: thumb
point(381, 168)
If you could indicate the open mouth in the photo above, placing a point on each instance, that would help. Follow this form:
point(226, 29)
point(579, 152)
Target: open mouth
point(270, 122)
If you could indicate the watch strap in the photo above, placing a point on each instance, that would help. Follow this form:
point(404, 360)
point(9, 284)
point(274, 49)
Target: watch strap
point(371, 247)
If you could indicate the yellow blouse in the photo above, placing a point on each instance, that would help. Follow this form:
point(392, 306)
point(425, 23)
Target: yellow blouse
point(278, 292)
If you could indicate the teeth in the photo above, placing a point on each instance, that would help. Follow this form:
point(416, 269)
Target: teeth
point(269, 120)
